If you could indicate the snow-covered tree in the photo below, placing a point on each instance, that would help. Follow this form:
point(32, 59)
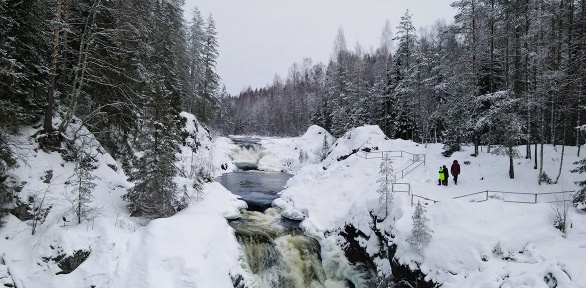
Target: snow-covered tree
point(420, 233)
point(211, 81)
point(82, 183)
point(303, 156)
point(386, 180)
point(322, 152)
point(195, 45)
point(154, 192)
point(402, 81)
point(579, 198)
point(500, 112)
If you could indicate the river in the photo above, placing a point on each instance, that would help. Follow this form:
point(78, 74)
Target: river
point(278, 253)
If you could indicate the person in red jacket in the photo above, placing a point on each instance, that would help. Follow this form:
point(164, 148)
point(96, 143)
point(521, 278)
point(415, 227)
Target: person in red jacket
point(455, 169)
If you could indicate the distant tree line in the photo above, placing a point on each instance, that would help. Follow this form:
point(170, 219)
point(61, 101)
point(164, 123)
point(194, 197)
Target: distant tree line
point(125, 69)
point(505, 73)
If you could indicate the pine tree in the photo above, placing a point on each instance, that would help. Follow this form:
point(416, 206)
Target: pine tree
point(154, 192)
point(7, 161)
point(322, 152)
point(82, 182)
point(420, 233)
point(579, 199)
point(211, 80)
point(195, 45)
point(404, 69)
point(502, 116)
point(24, 51)
point(386, 180)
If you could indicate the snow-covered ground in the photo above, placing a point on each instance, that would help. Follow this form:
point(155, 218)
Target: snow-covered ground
point(195, 248)
point(528, 247)
point(474, 244)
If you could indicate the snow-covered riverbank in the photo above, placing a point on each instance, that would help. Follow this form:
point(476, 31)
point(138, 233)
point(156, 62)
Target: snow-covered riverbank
point(474, 244)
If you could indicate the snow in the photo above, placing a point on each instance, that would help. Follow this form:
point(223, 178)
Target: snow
point(282, 154)
point(474, 244)
point(181, 251)
point(196, 247)
point(463, 231)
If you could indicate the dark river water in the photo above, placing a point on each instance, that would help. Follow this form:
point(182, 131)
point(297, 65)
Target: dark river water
point(257, 188)
point(277, 252)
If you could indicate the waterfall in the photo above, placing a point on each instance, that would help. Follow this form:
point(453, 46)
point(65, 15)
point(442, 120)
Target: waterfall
point(246, 156)
point(278, 254)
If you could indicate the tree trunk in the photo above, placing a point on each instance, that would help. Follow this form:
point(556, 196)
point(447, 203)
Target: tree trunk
point(48, 122)
point(476, 143)
point(511, 163)
point(535, 167)
point(561, 158)
point(79, 204)
point(540, 164)
point(80, 71)
point(526, 72)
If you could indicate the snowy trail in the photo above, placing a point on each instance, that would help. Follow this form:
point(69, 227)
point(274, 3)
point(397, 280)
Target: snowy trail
point(489, 172)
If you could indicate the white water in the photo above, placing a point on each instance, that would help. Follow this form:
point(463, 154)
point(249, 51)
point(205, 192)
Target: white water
point(248, 154)
point(280, 256)
point(276, 252)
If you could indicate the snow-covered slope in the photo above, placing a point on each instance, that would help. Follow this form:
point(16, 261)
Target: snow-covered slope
point(334, 193)
point(195, 248)
point(474, 244)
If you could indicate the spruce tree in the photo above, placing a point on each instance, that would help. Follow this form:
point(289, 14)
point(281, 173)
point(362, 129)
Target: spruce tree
point(420, 233)
point(154, 192)
point(322, 152)
point(196, 38)
point(404, 107)
point(386, 180)
point(82, 183)
point(211, 81)
point(579, 198)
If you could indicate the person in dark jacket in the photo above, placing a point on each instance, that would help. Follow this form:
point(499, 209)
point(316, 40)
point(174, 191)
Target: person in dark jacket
point(446, 175)
point(455, 169)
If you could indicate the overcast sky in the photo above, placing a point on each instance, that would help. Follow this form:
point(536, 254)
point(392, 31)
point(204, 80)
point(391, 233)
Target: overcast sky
point(260, 38)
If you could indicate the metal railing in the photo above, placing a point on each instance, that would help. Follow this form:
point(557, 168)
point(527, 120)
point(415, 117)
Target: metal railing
point(379, 154)
point(413, 196)
point(401, 188)
point(518, 197)
point(417, 159)
point(405, 170)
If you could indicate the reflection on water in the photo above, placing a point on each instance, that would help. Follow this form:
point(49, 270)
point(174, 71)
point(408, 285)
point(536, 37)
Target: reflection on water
point(257, 188)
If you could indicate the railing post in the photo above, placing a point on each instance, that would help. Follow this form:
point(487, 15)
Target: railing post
point(486, 195)
point(535, 198)
point(411, 200)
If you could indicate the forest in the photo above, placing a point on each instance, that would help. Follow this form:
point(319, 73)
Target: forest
point(503, 74)
point(124, 69)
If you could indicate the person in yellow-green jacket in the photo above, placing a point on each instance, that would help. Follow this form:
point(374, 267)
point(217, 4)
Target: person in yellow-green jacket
point(442, 176)
point(446, 175)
